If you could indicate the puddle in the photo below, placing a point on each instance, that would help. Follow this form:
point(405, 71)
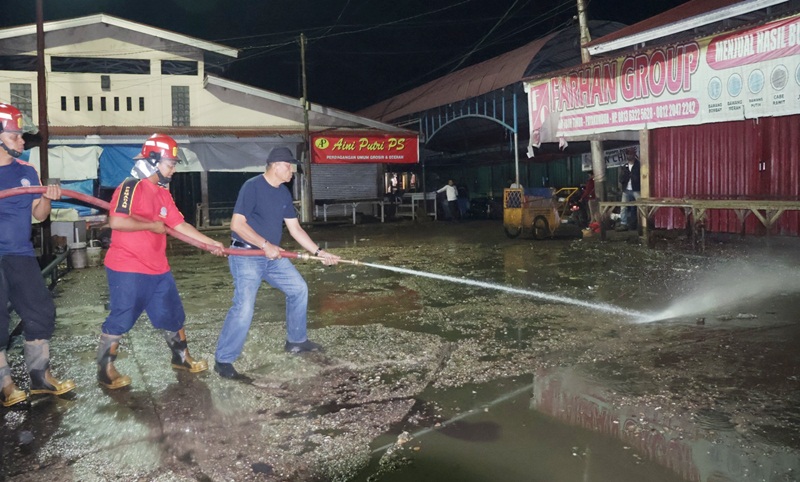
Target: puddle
point(495, 432)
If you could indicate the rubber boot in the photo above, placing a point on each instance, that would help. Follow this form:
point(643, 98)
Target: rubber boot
point(37, 358)
point(107, 374)
point(10, 394)
point(181, 360)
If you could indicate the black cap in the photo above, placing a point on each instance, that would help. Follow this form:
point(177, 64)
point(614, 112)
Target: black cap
point(282, 154)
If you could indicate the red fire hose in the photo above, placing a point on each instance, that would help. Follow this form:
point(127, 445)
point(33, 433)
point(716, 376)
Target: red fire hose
point(186, 239)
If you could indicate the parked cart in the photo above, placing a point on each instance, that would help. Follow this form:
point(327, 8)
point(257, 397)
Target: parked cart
point(541, 212)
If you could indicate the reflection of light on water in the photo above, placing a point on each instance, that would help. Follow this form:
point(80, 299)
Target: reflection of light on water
point(536, 294)
point(464, 415)
point(731, 286)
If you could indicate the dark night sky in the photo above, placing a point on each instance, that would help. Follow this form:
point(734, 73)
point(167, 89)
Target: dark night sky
point(359, 52)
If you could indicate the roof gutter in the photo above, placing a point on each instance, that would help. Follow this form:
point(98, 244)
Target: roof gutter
point(683, 25)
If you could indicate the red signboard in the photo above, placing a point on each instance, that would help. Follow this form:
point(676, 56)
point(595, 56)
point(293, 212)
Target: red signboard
point(372, 148)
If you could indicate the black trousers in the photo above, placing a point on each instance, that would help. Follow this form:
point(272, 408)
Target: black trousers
point(22, 285)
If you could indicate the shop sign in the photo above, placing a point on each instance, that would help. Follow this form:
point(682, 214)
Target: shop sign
point(350, 149)
point(745, 74)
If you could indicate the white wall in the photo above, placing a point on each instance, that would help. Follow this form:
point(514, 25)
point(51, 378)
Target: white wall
point(205, 109)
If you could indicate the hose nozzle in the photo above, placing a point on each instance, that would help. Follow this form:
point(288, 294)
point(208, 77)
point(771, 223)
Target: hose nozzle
point(308, 257)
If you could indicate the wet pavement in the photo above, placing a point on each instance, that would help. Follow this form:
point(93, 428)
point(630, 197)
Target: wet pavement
point(424, 379)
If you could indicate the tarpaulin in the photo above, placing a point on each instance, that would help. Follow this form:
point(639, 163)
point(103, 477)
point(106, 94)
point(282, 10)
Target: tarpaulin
point(116, 163)
point(65, 162)
point(231, 156)
point(83, 187)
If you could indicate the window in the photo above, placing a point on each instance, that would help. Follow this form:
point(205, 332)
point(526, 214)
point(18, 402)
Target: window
point(77, 101)
point(19, 63)
point(180, 105)
point(116, 104)
point(63, 102)
point(178, 67)
point(129, 103)
point(105, 83)
point(89, 104)
point(141, 104)
point(103, 104)
point(22, 99)
point(94, 65)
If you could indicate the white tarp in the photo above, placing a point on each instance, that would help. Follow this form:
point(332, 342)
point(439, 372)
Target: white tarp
point(69, 163)
point(749, 73)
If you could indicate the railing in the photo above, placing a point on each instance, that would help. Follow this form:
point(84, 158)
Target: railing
point(766, 210)
point(217, 214)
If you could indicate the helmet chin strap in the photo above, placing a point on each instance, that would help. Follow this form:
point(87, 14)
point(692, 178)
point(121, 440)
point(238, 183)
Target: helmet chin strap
point(154, 159)
point(163, 180)
point(11, 152)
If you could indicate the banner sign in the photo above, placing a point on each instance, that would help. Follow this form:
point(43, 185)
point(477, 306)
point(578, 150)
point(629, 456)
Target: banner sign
point(613, 157)
point(740, 75)
point(373, 148)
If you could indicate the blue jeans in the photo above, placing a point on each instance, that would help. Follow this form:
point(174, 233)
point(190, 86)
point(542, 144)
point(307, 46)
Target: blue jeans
point(627, 216)
point(248, 272)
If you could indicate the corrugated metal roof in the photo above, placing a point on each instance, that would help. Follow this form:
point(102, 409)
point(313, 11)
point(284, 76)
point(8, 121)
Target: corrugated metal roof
point(472, 81)
point(289, 107)
point(554, 51)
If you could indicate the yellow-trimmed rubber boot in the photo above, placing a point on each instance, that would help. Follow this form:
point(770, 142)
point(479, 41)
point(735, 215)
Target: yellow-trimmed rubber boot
point(9, 394)
point(181, 360)
point(107, 374)
point(37, 358)
point(43, 382)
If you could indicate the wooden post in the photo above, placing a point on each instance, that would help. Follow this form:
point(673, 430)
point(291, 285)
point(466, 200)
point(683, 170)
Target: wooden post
point(644, 164)
point(598, 158)
point(306, 196)
point(205, 220)
point(44, 133)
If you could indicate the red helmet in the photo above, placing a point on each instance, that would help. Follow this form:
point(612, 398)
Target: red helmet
point(159, 147)
point(10, 119)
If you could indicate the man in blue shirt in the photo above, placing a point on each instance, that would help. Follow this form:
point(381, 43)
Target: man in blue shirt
point(21, 281)
point(263, 206)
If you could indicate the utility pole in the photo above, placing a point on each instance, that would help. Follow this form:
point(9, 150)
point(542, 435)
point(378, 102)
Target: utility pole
point(44, 133)
point(598, 159)
point(306, 198)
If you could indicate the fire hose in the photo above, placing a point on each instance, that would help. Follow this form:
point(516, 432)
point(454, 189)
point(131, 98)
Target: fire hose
point(66, 193)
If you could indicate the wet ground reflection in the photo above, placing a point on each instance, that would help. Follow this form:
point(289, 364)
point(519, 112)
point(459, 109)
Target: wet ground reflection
point(423, 379)
point(508, 438)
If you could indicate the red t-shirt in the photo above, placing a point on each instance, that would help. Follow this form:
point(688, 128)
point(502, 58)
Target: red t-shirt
point(141, 251)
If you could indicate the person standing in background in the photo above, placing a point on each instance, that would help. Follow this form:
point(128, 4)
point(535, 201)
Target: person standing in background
point(631, 185)
point(452, 199)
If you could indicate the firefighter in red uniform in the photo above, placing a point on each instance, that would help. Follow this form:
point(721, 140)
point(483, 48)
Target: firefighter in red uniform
point(139, 276)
